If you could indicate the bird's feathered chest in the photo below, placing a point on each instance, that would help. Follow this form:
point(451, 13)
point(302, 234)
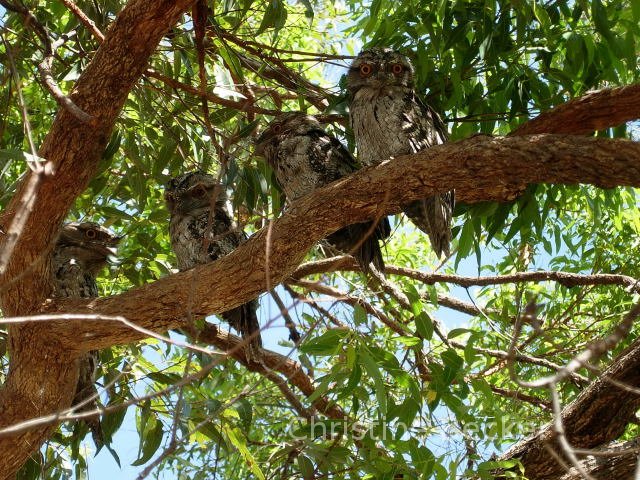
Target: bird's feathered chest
point(391, 123)
point(197, 239)
point(71, 278)
point(306, 162)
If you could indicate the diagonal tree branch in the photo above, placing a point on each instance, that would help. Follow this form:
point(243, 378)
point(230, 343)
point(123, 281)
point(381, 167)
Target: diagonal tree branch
point(479, 168)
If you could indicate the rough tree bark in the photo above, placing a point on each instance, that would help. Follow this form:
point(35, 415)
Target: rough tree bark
point(479, 168)
point(594, 111)
point(617, 460)
point(42, 372)
point(599, 414)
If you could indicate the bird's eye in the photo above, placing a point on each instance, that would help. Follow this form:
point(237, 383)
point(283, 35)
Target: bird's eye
point(277, 128)
point(397, 68)
point(365, 69)
point(91, 234)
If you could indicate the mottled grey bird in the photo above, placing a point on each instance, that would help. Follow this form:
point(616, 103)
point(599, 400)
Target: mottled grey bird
point(389, 120)
point(202, 230)
point(82, 250)
point(304, 157)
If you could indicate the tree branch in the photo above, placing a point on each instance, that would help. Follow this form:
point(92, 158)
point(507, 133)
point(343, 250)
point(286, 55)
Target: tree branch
point(479, 168)
point(594, 111)
point(599, 415)
point(271, 361)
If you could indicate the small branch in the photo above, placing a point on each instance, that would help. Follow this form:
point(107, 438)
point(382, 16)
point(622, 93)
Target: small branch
point(270, 361)
point(522, 397)
point(566, 279)
point(559, 431)
point(392, 290)
point(86, 21)
point(353, 301)
point(313, 304)
point(294, 335)
point(44, 67)
point(242, 106)
point(593, 351)
point(581, 380)
point(594, 111)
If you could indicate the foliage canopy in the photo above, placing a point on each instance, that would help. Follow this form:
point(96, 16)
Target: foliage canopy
point(424, 404)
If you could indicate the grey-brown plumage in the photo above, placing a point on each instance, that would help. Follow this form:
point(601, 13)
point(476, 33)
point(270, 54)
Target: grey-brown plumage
point(304, 157)
point(202, 230)
point(389, 120)
point(80, 253)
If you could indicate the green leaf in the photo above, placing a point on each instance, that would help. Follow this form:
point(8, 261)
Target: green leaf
point(326, 344)
point(374, 372)
point(274, 16)
point(238, 441)
point(599, 14)
point(465, 242)
point(359, 315)
point(308, 9)
point(424, 325)
point(245, 411)
point(151, 440)
point(112, 420)
point(306, 467)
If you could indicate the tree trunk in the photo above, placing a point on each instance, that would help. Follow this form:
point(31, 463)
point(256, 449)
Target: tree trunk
point(42, 372)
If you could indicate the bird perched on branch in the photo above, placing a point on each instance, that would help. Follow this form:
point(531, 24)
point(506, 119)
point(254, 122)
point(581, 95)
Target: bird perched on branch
point(389, 120)
point(202, 230)
point(82, 250)
point(305, 157)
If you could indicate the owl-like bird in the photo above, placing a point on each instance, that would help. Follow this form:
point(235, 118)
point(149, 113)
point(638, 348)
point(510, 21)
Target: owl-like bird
point(82, 250)
point(389, 120)
point(305, 157)
point(202, 230)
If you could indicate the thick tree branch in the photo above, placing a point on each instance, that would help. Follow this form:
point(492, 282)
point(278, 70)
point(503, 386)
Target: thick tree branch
point(594, 111)
point(617, 460)
point(480, 168)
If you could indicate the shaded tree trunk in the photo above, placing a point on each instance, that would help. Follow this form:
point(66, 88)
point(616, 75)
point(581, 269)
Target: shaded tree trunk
point(598, 416)
point(42, 373)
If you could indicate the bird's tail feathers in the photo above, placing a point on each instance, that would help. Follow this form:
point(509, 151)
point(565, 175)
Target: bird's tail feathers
point(362, 241)
point(87, 394)
point(433, 216)
point(245, 320)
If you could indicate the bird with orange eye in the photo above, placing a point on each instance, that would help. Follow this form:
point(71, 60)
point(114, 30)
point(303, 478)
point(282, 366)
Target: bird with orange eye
point(382, 68)
point(202, 229)
point(389, 119)
point(366, 69)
